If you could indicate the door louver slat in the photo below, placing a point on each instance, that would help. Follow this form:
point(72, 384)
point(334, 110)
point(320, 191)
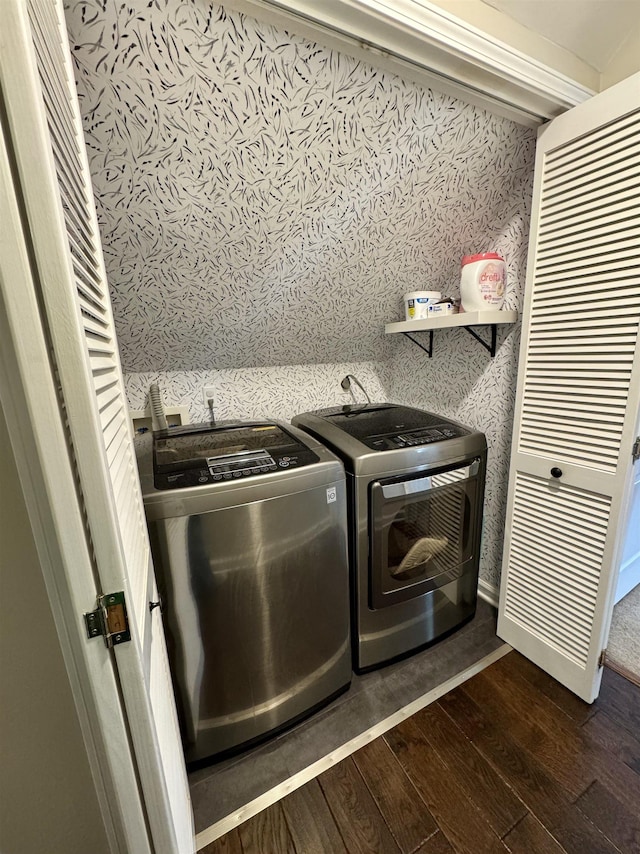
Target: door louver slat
point(92, 295)
point(596, 316)
point(616, 151)
point(552, 519)
point(602, 459)
point(583, 218)
point(566, 156)
point(531, 539)
point(595, 332)
point(587, 409)
point(584, 289)
point(561, 375)
point(87, 282)
point(569, 234)
point(563, 205)
point(553, 294)
point(102, 382)
point(581, 284)
point(586, 265)
point(593, 348)
point(607, 176)
point(568, 389)
point(625, 266)
point(64, 157)
point(79, 234)
point(576, 531)
point(614, 241)
point(72, 201)
point(582, 429)
point(96, 330)
point(588, 209)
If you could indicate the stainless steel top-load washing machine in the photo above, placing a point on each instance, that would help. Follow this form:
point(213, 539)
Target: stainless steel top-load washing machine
point(248, 531)
point(415, 483)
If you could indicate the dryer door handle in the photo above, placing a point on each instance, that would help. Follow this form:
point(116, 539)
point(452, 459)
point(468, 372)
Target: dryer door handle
point(424, 484)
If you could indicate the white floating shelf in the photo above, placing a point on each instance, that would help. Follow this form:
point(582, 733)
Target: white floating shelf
point(465, 318)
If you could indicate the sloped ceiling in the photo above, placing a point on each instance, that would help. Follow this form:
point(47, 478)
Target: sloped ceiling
point(593, 30)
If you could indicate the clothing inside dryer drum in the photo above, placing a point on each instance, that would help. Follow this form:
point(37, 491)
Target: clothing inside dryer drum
point(429, 537)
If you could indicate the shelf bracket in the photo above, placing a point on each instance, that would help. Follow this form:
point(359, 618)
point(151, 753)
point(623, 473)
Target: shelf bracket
point(490, 346)
point(429, 350)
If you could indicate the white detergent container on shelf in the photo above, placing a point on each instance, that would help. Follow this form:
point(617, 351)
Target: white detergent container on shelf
point(416, 304)
point(482, 282)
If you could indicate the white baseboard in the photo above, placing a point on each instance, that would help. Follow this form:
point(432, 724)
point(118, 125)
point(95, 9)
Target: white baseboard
point(489, 592)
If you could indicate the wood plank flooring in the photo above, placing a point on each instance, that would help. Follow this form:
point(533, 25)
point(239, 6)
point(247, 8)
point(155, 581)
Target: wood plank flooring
point(509, 761)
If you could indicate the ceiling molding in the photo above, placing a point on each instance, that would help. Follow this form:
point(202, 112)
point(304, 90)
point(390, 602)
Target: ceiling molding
point(419, 40)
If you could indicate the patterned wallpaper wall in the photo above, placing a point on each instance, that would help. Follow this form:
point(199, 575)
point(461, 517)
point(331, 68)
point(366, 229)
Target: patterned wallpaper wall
point(462, 382)
point(264, 203)
point(279, 392)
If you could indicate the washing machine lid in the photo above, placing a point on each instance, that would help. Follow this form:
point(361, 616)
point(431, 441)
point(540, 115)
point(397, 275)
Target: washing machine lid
point(201, 454)
point(384, 427)
point(188, 447)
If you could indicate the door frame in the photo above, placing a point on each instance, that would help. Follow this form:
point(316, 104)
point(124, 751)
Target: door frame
point(628, 576)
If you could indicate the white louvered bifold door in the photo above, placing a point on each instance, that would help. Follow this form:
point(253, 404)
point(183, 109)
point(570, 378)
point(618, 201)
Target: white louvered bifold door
point(53, 178)
point(578, 390)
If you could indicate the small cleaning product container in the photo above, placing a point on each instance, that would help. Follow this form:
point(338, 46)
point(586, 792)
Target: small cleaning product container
point(416, 304)
point(482, 282)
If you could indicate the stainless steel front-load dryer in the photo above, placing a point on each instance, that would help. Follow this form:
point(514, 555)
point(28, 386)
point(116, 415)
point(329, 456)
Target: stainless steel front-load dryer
point(248, 531)
point(415, 484)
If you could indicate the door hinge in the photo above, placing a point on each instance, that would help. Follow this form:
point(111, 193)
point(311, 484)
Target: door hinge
point(635, 451)
point(603, 658)
point(109, 620)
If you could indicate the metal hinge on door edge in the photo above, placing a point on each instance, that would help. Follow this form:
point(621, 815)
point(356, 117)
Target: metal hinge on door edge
point(603, 658)
point(109, 620)
point(635, 451)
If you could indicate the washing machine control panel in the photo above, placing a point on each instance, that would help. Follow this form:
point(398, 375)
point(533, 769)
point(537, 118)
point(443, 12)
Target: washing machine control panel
point(186, 459)
point(241, 465)
point(413, 438)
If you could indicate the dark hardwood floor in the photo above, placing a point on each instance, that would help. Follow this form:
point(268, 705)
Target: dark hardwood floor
point(509, 761)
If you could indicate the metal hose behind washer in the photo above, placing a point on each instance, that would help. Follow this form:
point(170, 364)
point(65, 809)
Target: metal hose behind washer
point(157, 408)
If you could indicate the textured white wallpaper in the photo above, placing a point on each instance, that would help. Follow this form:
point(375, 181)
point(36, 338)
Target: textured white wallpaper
point(248, 393)
point(264, 203)
point(463, 383)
